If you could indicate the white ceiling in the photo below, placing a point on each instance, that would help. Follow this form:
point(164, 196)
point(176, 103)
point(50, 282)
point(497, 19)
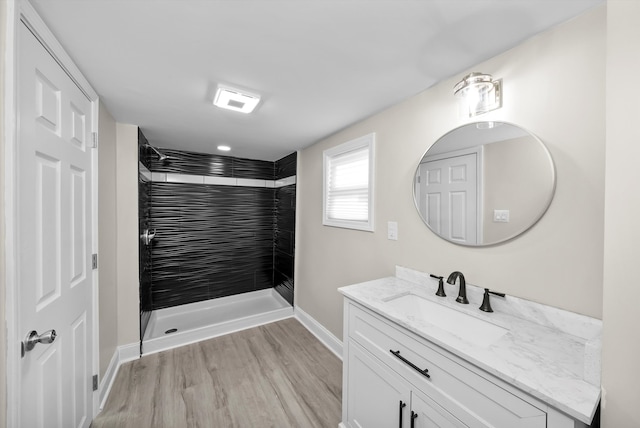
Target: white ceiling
point(319, 65)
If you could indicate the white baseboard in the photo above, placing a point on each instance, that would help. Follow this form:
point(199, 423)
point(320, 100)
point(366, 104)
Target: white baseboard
point(107, 380)
point(122, 355)
point(129, 352)
point(318, 330)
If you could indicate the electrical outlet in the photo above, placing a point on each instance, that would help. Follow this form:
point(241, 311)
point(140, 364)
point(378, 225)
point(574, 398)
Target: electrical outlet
point(501, 216)
point(392, 230)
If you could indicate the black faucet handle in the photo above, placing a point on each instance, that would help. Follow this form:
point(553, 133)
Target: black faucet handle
point(440, 291)
point(486, 304)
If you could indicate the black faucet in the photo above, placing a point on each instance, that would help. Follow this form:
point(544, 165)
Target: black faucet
point(462, 293)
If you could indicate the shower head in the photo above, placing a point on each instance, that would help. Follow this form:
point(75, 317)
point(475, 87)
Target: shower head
point(161, 156)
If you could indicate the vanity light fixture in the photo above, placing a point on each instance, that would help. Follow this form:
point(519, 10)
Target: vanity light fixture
point(234, 99)
point(479, 93)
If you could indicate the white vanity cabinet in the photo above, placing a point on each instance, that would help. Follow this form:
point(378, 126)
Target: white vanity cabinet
point(386, 366)
point(378, 397)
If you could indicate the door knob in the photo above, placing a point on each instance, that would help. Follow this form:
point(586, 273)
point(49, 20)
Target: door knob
point(33, 339)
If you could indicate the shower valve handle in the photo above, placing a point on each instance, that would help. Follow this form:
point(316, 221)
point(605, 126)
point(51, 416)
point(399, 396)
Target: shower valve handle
point(147, 236)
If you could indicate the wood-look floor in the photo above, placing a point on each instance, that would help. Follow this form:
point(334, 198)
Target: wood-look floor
point(276, 375)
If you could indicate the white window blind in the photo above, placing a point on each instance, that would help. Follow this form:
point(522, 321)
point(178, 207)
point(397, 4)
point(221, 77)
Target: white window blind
point(348, 184)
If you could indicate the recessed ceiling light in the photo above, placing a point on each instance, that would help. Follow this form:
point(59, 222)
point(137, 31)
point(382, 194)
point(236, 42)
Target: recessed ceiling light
point(236, 100)
point(224, 148)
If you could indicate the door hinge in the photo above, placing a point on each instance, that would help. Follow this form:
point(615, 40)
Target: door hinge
point(94, 140)
point(94, 261)
point(95, 382)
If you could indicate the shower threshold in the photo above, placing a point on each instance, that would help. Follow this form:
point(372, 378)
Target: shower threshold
point(181, 325)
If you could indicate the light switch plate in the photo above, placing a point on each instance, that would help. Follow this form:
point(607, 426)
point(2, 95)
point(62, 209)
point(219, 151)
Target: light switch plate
point(392, 230)
point(501, 216)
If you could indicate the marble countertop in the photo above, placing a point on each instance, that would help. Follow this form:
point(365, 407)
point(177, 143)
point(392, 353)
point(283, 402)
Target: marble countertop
point(551, 354)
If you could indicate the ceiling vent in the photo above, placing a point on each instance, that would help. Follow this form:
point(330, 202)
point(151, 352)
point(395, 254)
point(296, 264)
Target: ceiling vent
point(236, 100)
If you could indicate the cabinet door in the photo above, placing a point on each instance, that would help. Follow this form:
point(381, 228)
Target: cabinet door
point(375, 394)
point(430, 414)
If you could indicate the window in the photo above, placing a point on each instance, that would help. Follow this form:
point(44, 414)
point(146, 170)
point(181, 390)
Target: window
point(348, 184)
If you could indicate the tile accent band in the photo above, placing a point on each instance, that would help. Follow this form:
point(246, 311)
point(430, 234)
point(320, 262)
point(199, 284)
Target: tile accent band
point(162, 177)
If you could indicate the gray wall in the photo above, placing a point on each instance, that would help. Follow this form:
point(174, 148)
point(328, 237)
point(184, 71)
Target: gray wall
point(515, 185)
point(3, 326)
point(621, 316)
point(117, 239)
point(107, 225)
point(127, 293)
point(558, 262)
point(570, 86)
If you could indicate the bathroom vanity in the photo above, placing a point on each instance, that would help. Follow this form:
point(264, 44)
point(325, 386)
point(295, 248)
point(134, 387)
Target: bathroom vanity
point(413, 359)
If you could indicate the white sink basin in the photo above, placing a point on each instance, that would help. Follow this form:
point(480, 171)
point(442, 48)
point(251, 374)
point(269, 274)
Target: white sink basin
point(466, 327)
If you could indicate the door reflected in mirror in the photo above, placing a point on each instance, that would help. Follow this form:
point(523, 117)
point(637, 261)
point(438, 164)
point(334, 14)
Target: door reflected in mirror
point(484, 183)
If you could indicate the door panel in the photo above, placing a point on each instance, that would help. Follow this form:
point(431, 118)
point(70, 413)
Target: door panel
point(430, 414)
point(47, 366)
point(434, 201)
point(47, 233)
point(448, 197)
point(374, 392)
point(459, 216)
point(79, 238)
point(54, 170)
point(79, 369)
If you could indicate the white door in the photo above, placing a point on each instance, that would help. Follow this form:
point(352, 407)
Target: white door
point(54, 240)
point(448, 197)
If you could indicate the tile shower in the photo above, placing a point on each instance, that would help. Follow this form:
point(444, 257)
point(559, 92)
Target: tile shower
point(224, 243)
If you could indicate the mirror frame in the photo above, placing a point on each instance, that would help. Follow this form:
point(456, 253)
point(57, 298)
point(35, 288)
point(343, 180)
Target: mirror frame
point(545, 206)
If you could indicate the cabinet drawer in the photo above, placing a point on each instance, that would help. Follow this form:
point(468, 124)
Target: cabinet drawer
point(478, 401)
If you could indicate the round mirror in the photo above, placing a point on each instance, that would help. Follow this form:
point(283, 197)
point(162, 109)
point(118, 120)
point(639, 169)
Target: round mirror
point(484, 183)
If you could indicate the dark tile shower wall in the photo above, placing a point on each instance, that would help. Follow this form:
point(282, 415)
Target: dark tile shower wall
point(215, 241)
point(284, 239)
point(212, 241)
point(286, 167)
point(284, 231)
point(144, 253)
point(181, 162)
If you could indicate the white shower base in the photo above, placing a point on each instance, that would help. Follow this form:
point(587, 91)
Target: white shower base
point(203, 320)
